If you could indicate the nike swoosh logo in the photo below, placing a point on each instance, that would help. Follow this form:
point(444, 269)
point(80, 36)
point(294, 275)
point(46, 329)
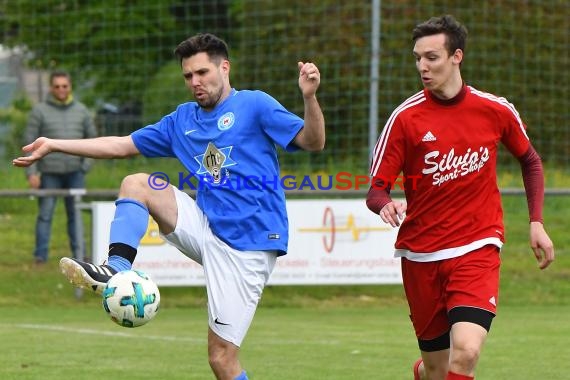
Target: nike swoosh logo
point(220, 323)
point(190, 131)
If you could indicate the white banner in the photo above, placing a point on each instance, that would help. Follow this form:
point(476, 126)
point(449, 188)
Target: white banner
point(330, 242)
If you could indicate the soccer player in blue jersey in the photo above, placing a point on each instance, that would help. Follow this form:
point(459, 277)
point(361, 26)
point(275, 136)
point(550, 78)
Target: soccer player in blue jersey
point(235, 231)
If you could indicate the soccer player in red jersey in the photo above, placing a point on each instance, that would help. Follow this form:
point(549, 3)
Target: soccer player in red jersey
point(450, 239)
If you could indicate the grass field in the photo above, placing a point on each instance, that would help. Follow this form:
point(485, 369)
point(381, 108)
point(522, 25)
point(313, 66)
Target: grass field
point(338, 342)
point(310, 332)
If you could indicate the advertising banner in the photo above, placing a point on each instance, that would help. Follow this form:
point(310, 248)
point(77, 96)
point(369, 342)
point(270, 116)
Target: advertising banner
point(330, 242)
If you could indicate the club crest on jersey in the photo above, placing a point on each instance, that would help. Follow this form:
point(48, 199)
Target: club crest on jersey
point(226, 121)
point(213, 161)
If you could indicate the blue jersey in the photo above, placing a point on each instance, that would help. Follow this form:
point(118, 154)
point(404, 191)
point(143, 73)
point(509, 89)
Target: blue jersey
point(232, 151)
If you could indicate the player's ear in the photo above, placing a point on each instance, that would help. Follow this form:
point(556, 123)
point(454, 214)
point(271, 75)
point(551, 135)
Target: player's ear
point(458, 56)
point(225, 66)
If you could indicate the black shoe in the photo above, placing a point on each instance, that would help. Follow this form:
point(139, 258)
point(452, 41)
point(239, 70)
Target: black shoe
point(86, 275)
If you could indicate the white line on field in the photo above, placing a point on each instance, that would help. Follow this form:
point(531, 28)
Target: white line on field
point(109, 333)
point(266, 340)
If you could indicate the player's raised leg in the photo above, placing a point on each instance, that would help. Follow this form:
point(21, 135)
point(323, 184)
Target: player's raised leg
point(137, 200)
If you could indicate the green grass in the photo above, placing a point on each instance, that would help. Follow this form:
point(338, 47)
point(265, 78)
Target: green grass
point(338, 342)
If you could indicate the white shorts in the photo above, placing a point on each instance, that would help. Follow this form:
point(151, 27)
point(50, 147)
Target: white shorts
point(234, 279)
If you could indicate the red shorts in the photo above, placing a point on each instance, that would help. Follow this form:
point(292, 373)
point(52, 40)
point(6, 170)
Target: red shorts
point(434, 288)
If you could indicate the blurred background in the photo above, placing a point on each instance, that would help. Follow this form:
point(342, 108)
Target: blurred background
point(120, 56)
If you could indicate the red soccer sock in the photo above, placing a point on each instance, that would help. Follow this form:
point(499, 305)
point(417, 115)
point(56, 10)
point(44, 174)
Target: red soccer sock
point(417, 369)
point(456, 376)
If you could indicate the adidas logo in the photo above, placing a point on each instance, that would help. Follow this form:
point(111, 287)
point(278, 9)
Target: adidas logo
point(492, 301)
point(429, 137)
point(101, 269)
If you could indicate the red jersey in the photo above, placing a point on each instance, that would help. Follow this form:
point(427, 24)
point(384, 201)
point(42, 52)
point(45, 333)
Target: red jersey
point(447, 152)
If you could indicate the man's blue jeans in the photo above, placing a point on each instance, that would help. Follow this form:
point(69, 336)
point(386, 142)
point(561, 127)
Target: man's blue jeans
point(73, 180)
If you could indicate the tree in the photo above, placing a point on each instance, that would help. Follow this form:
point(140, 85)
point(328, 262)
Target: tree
point(113, 48)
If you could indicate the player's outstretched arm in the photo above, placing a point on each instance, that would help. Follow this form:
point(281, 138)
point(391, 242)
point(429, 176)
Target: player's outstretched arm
point(312, 136)
point(541, 245)
point(100, 147)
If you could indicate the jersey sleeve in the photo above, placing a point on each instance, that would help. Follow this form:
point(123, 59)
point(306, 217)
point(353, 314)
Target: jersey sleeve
point(278, 123)
point(533, 179)
point(155, 140)
point(514, 135)
point(389, 152)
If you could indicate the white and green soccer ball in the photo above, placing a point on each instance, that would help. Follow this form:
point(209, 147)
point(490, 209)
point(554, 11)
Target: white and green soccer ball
point(131, 298)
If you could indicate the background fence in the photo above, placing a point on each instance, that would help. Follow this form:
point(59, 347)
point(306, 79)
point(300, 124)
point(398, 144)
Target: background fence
point(120, 55)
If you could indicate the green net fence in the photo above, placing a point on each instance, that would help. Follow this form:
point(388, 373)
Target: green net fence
point(120, 55)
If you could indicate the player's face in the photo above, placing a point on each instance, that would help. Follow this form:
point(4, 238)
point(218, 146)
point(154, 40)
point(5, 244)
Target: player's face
point(60, 88)
point(207, 80)
point(436, 67)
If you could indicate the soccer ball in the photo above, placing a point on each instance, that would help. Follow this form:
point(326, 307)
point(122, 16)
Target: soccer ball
point(131, 298)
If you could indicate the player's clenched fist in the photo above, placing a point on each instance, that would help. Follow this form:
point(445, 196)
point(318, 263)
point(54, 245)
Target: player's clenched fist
point(309, 78)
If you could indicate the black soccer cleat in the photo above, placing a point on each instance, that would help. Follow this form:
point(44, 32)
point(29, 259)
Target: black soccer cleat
point(86, 275)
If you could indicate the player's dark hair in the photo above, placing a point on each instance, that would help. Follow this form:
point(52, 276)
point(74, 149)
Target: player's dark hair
point(215, 47)
point(59, 74)
point(455, 32)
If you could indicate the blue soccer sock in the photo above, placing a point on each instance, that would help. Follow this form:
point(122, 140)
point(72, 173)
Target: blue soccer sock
point(119, 263)
point(127, 229)
point(242, 376)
